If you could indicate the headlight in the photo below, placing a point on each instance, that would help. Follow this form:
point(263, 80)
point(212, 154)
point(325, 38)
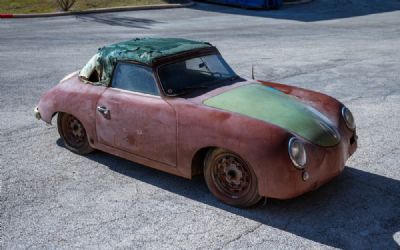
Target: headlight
point(297, 153)
point(348, 118)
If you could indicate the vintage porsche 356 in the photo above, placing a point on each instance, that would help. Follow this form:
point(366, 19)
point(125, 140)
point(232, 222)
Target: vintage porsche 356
point(176, 105)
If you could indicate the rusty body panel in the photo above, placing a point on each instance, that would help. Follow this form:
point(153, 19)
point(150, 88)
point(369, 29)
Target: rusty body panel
point(172, 130)
point(73, 97)
point(141, 124)
point(167, 133)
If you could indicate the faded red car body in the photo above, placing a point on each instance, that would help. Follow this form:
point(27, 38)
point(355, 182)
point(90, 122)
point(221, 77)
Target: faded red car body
point(173, 134)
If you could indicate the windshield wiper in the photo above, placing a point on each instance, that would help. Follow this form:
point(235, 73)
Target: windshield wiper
point(223, 81)
point(233, 78)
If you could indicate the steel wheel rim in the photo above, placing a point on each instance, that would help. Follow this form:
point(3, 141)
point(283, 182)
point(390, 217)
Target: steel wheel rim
point(74, 132)
point(231, 175)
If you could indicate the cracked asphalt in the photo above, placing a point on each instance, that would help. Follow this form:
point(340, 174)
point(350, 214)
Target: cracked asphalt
point(51, 198)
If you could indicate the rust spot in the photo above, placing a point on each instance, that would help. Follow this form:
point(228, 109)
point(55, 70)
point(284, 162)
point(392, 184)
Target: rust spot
point(222, 116)
point(131, 139)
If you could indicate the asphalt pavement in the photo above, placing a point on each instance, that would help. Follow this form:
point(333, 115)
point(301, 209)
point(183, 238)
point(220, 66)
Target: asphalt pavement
point(51, 198)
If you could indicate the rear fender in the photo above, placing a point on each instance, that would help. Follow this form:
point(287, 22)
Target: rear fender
point(74, 97)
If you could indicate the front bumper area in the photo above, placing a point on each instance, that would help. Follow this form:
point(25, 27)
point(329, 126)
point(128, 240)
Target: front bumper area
point(324, 164)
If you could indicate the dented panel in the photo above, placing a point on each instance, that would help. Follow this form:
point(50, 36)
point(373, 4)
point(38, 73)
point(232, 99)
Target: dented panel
point(143, 125)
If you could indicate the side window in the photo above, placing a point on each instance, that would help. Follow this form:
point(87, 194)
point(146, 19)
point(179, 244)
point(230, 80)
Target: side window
point(135, 78)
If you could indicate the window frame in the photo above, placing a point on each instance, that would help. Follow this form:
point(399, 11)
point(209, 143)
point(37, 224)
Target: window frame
point(160, 92)
point(159, 62)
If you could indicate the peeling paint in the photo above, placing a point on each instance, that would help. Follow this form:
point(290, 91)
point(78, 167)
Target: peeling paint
point(271, 105)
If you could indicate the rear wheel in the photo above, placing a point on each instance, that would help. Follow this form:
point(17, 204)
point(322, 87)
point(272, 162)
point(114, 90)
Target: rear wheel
point(231, 179)
point(73, 134)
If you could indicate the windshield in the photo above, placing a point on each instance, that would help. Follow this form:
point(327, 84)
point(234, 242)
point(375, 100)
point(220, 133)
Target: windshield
point(195, 73)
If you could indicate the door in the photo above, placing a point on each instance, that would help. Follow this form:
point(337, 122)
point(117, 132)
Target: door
point(131, 115)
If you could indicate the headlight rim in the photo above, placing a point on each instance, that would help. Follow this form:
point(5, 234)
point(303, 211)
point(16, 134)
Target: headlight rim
point(296, 164)
point(352, 127)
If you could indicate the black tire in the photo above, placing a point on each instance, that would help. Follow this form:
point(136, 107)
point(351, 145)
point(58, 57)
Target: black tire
point(73, 134)
point(231, 179)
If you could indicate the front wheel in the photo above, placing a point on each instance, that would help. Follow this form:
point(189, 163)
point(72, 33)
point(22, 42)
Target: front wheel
point(73, 134)
point(231, 179)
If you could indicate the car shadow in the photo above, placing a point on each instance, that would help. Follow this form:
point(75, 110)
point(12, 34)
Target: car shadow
point(317, 10)
point(114, 20)
point(357, 209)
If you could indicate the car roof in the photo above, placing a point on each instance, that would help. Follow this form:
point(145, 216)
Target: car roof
point(146, 50)
point(142, 50)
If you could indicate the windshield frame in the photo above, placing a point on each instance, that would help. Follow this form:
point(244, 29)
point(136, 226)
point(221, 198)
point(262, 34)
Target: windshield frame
point(184, 57)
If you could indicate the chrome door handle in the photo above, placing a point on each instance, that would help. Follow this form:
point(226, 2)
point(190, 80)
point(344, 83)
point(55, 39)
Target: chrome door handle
point(103, 110)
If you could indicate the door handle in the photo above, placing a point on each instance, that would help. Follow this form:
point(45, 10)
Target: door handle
point(103, 110)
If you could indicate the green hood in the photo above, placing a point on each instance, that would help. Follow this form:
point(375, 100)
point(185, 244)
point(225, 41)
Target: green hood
point(272, 106)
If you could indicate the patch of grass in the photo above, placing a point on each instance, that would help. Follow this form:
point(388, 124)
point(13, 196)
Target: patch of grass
point(43, 6)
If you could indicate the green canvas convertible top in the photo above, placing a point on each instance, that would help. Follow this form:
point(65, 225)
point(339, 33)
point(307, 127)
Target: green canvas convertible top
point(143, 50)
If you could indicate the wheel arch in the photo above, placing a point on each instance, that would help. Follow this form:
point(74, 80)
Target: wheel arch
point(50, 118)
point(198, 158)
point(87, 123)
point(249, 198)
point(80, 148)
point(197, 164)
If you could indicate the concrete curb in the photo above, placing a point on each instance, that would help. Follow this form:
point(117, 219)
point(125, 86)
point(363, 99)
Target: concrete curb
point(100, 10)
